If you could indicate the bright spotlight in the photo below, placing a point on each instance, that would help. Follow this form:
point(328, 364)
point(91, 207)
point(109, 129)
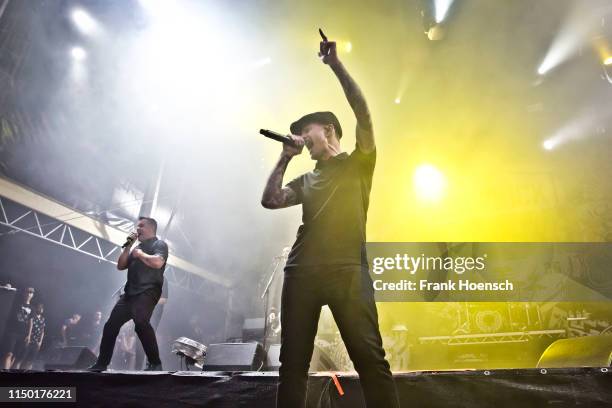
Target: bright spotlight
point(83, 21)
point(558, 53)
point(442, 7)
point(549, 144)
point(78, 53)
point(348, 47)
point(397, 101)
point(608, 61)
point(575, 31)
point(582, 127)
point(543, 69)
point(436, 33)
point(429, 183)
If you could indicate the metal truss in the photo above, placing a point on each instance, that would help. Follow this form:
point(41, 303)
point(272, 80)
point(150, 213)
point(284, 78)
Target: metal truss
point(193, 283)
point(29, 222)
point(492, 338)
point(16, 218)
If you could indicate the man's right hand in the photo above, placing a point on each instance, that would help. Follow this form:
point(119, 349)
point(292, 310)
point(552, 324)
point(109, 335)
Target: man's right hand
point(132, 238)
point(274, 195)
point(290, 151)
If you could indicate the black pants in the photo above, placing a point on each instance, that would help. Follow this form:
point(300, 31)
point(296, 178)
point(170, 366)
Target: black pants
point(155, 319)
point(348, 292)
point(138, 307)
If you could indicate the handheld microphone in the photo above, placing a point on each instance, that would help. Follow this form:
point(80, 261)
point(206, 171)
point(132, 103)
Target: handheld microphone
point(128, 242)
point(277, 136)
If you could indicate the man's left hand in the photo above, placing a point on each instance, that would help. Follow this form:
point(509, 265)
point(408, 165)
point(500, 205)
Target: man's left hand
point(137, 253)
point(328, 52)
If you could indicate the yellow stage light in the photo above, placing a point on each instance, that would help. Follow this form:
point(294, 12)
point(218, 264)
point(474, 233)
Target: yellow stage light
point(429, 183)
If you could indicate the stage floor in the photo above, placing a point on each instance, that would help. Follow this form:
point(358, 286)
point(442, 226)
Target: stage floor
point(587, 387)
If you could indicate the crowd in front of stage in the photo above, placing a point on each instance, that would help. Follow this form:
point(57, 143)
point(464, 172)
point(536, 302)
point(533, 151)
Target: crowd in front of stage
point(26, 332)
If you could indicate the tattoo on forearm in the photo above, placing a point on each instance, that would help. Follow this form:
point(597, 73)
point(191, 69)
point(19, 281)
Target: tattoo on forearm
point(289, 197)
point(274, 195)
point(355, 98)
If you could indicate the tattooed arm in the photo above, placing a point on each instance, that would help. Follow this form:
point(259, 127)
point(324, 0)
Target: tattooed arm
point(274, 195)
point(365, 131)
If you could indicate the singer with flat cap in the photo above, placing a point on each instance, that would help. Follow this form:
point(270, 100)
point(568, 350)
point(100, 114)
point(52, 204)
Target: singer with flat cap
point(327, 263)
point(145, 277)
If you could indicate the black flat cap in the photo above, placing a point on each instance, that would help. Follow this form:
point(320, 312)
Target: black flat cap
point(322, 118)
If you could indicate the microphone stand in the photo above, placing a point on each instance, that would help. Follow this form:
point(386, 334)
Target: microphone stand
point(266, 293)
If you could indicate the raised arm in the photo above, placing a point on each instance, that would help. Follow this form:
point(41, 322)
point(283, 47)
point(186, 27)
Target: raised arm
point(365, 131)
point(274, 195)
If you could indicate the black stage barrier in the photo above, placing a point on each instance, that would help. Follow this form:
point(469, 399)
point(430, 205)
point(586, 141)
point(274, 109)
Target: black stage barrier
point(563, 387)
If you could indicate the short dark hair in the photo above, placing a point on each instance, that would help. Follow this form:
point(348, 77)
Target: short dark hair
point(150, 221)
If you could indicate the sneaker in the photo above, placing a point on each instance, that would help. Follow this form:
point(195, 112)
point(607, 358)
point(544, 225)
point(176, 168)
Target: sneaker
point(153, 367)
point(96, 368)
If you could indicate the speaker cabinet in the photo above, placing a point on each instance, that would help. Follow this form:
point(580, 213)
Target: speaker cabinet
point(71, 358)
point(234, 357)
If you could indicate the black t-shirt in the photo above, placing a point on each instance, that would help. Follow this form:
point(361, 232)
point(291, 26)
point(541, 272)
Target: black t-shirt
point(335, 197)
point(20, 314)
point(72, 330)
point(142, 277)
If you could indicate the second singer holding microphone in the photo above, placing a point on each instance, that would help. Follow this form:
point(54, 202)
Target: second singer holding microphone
point(145, 265)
